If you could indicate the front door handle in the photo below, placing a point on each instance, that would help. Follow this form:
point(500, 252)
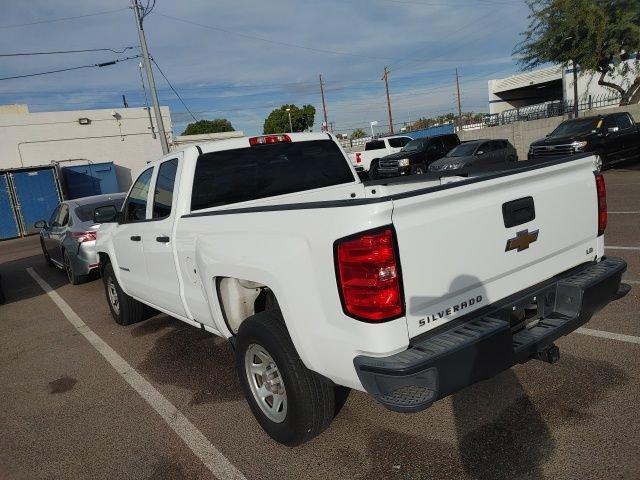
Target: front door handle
point(163, 239)
point(136, 238)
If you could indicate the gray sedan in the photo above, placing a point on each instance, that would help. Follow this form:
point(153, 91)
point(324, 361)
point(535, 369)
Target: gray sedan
point(68, 238)
point(485, 155)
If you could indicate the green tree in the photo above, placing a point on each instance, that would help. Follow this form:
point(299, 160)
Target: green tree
point(301, 119)
point(209, 126)
point(358, 133)
point(598, 35)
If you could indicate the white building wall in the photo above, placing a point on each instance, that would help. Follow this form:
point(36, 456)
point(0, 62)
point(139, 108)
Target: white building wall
point(588, 85)
point(34, 139)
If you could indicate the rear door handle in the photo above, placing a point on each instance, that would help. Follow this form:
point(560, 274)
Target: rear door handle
point(136, 238)
point(163, 239)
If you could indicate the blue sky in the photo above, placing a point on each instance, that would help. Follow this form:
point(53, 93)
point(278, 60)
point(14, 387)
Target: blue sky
point(240, 59)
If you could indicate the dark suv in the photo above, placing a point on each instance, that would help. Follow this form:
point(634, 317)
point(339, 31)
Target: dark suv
point(613, 137)
point(416, 156)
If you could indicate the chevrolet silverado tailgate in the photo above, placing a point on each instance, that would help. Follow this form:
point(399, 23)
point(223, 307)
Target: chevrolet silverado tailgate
point(464, 246)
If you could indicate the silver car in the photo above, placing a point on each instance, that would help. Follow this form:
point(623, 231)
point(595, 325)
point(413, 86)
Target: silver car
point(68, 238)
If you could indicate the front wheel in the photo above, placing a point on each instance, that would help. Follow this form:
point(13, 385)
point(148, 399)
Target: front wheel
point(47, 258)
point(125, 310)
point(419, 169)
point(291, 403)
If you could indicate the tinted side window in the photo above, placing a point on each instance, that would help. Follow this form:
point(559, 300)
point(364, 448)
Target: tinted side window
point(450, 141)
point(54, 215)
point(485, 147)
point(624, 121)
point(163, 195)
point(136, 206)
point(244, 174)
point(374, 145)
point(398, 142)
point(63, 216)
point(609, 122)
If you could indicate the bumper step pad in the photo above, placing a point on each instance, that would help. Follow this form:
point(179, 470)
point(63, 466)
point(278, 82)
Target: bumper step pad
point(440, 364)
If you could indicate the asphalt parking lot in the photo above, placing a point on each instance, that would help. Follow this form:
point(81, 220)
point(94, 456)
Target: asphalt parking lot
point(68, 409)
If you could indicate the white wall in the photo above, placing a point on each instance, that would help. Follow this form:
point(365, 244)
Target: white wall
point(33, 139)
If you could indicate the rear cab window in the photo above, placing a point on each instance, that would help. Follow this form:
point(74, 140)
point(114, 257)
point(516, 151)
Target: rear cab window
point(374, 145)
point(240, 175)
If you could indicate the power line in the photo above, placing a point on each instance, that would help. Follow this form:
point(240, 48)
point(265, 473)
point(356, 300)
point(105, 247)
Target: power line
point(267, 40)
point(62, 19)
point(174, 90)
point(99, 65)
point(55, 52)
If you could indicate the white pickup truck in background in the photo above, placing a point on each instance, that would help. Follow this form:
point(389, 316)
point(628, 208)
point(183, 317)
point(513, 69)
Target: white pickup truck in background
point(409, 289)
point(375, 149)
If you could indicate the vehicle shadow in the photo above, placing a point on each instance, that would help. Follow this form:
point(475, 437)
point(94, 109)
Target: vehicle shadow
point(192, 359)
point(18, 285)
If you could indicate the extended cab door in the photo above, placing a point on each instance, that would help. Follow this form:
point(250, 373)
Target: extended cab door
point(163, 287)
point(127, 238)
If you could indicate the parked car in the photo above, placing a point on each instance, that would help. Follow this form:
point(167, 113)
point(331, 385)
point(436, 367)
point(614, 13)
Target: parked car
point(416, 156)
point(613, 137)
point(68, 238)
point(480, 154)
point(408, 290)
point(367, 160)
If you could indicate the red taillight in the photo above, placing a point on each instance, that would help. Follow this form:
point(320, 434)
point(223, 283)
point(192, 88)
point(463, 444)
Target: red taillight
point(601, 190)
point(269, 139)
point(358, 157)
point(369, 276)
point(84, 236)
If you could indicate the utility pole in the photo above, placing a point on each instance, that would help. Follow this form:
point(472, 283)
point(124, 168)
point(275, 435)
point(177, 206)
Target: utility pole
point(324, 105)
point(152, 84)
point(459, 101)
point(575, 90)
point(385, 77)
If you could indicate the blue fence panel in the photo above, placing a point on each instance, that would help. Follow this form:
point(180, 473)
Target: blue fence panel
point(8, 221)
point(36, 194)
point(92, 179)
point(432, 131)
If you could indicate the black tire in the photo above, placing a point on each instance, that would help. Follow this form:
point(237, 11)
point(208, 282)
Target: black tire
point(310, 399)
point(2, 299)
point(47, 258)
point(128, 310)
point(420, 169)
point(511, 159)
point(373, 169)
point(68, 268)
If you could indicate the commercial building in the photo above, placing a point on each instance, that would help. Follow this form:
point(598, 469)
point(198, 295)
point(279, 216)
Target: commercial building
point(550, 84)
point(123, 136)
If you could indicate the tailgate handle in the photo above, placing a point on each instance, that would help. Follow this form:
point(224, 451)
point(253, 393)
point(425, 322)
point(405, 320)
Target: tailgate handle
point(517, 212)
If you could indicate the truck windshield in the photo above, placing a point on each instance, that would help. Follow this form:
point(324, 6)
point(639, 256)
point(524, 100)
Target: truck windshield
point(413, 146)
point(575, 127)
point(240, 175)
point(463, 150)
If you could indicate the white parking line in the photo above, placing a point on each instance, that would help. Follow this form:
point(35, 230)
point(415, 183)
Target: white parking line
point(626, 213)
point(609, 335)
point(611, 247)
point(212, 458)
point(631, 282)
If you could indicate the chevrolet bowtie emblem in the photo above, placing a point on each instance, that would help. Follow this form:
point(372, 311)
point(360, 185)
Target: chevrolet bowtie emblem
point(522, 240)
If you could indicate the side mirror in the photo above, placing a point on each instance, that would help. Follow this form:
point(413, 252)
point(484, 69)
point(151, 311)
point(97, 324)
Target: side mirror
point(612, 129)
point(105, 214)
point(40, 224)
point(547, 135)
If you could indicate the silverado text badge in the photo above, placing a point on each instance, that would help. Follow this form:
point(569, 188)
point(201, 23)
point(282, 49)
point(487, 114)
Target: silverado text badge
point(522, 240)
point(450, 310)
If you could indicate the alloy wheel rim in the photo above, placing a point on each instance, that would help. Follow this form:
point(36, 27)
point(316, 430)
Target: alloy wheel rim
point(266, 383)
point(113, 296)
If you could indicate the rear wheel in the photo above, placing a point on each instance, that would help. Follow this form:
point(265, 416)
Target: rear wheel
point(125, 310)
point(291, 403)
point(71, 275)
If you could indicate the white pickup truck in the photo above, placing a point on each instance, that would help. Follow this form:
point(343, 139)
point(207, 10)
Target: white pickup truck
point(367, 159)
point(409, 289)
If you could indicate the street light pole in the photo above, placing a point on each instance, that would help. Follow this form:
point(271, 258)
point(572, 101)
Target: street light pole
point(290, 124)
point(152, 84)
